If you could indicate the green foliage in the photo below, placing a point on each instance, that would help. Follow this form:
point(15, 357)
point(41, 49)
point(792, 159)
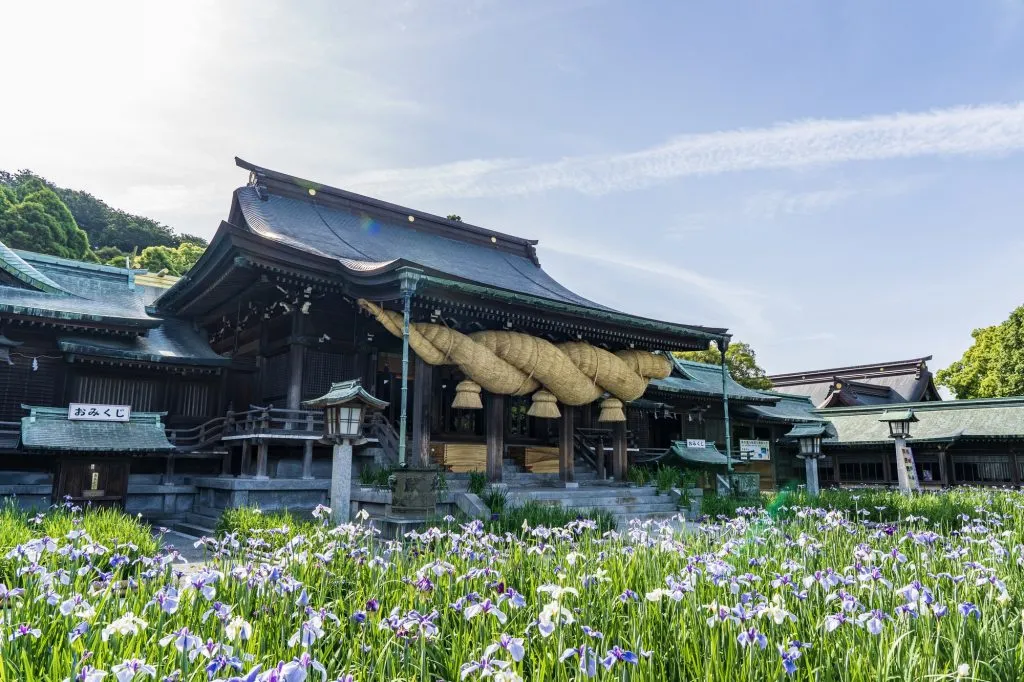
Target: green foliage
point(376, 477)
point(666, 478)
point(496, 499)
point(477, 482)
point(993, 367)
point(638, 475)
point(108, 527)
point(455, 217)
point(175, 260)
point(741, 360)
point(33, 218)
point(37, 215)
point(251, 526)
point(534, 515)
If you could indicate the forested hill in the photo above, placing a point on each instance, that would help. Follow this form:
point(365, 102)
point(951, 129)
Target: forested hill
point(37, 215)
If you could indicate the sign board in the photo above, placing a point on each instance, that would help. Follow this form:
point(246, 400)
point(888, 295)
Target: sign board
point(696, 443)
point(755, 450)
point(99, 413)
point(905, 460)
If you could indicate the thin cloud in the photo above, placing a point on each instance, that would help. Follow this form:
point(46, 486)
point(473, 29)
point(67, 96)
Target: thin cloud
point(980, 130)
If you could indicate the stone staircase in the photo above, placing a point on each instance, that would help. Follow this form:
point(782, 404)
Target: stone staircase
point(196, 524)
point(625, 503)
point(514, 475)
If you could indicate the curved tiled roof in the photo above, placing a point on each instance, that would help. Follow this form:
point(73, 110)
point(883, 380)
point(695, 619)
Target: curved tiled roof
point(363, 240)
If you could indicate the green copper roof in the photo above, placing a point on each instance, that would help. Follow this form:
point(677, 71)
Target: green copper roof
point(789, 408)
point(345, 391)
point(703, 379)
point(998, 418)
point(15, 265)
point(49, 429)
point(706, 455)
point(807, 430)
point(898, 416)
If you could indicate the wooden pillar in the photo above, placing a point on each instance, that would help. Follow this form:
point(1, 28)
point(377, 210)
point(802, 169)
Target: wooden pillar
point(835, 470)
point(296, 355)
point(307, 460)
point(567, 447)
point(168, 478)
point(225, 463)
point(886, 469)
point(495, 436)
point(599, 452)
point(421, 401)
point(1014, 469)
point(246, 464)
point(619, 455)
point(950, 467)
point(261, 459)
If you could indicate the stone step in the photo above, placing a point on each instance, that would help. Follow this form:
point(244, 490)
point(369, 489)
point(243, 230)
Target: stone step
point(591, 492)
point(193, 530)
point(623, 519)
point(202, 519)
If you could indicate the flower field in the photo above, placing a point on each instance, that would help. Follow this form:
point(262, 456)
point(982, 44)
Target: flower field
point(781, 593)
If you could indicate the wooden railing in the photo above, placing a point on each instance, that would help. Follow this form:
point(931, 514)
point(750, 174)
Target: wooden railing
point(256, 421)
point(377, 426)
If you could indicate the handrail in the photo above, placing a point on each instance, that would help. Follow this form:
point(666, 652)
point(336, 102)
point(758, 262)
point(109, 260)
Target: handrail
point(584, 450)
point(380, 428)
point(253, 422)
point(10, 432)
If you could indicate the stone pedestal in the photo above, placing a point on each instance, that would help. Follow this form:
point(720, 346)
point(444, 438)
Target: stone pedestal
point(811, 467)
point(341, 482)
point(415, 492)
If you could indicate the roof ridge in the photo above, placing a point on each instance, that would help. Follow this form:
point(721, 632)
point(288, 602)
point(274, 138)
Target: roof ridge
point(909, 363)
point(453, 229)
point(926, 406)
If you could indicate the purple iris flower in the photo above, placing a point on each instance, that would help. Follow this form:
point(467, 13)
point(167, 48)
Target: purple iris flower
point(968, 609)
point(752, 636)
point(618, 655)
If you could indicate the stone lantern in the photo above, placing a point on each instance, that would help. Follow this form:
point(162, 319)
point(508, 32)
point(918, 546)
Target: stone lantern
point(809, 438)
point(344, 408)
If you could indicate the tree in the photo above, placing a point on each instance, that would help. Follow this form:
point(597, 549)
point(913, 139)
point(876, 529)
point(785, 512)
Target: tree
point(33, 218)
point(176, 261)
point(455, 217)
point(993, 367)
point(741, 360)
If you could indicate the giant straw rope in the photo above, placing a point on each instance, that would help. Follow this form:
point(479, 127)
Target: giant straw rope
point(512, 363)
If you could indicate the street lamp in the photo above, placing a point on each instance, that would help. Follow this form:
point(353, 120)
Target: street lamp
point(808, 436)
point(344, 406)
point(899, 430)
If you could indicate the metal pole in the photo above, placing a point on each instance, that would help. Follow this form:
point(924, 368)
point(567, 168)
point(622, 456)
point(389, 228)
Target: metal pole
point(406, 312)
point(725, 408)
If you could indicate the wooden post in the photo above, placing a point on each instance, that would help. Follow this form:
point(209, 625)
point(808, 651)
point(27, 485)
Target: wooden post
point(307, 460)
point(495, 436)
point(619, 455)
point(169, 471)
point(1014, 469)
point(261, 459)
point(567, 448)
point(602, 474)
point(225, 463)
point(886, 469)
point(246, 465)
point(296, 355)
point(421, 400)
point(835, 470)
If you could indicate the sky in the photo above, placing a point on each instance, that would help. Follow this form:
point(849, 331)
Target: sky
point(837, 182)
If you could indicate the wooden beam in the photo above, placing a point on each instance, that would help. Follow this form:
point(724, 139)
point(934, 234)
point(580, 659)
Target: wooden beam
point(246, 465)
point(261, 459)
point(566, 446)
point(421, 401)
point(495, 436)
point(619, 456)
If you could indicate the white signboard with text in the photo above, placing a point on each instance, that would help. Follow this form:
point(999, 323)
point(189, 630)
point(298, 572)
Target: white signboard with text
point(99, 413)
point(696, 443)
point(755, 450)
point(906, 461)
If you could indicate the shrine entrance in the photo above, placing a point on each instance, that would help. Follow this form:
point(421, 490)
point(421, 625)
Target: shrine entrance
point(94, 480)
